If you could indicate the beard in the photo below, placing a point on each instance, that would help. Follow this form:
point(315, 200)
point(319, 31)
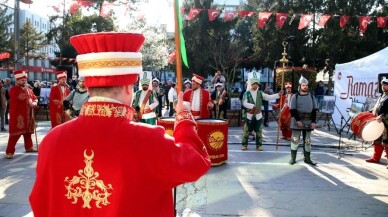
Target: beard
point(144, 88)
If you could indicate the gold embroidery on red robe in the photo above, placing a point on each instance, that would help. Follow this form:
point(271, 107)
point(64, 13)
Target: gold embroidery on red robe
point(20, 122)
point(87, 187)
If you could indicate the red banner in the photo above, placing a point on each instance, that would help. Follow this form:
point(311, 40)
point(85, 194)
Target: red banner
point(194, 13)
point(263, 18)
point(281, 19)
point(213, 14)
point(229, 15)
point(323, 19)
point(344, 20)
point(305, 19)
point(382, 22)
point(243, 14)
point(364, 22)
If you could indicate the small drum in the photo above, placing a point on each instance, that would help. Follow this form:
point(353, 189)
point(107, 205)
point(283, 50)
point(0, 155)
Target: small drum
point(214, 134)
point(366, 127)
point(168, 124)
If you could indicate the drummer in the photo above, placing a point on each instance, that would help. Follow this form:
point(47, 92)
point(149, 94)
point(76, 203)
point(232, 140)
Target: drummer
point(381, 111)
point(303, 110)
point(201, 104)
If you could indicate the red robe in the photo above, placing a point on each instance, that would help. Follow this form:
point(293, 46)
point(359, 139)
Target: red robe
point(205, 99)
point(130, 168)
point(21, 118)
point(285, 120)
point(56, 105)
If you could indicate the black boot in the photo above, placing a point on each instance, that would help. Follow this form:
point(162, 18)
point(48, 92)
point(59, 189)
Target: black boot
point(293, 157)
point(307, 158)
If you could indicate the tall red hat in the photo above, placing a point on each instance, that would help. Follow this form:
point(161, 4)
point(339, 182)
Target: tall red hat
point(19, 74)
point(197, 78)
point(61, 74)
point(109, 58)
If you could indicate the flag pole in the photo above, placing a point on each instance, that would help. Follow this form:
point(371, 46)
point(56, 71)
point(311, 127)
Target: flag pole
point(178, 56)
point(284, 60)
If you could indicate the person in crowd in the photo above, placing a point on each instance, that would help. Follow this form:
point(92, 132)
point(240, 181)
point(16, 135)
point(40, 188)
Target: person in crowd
point(36, 89)
point(166, 88)
point(187, 85)
point(201, 104)
point(22, 119)
point(145, 103)
point(7, 86)
point(159, 93)
point(303, 110)
point(220, 100)
point(268, 91)
point(284, 105)
point(58, 93)
point(172, 96)
point(77, 97)
point(319, 93)
point(252, 102)
point(3, 105)
point(218, 78)
point(381, 111)
point(117, 167)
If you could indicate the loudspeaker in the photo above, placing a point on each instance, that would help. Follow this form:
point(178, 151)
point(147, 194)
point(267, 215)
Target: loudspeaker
point(380, 77)
point(69, 70)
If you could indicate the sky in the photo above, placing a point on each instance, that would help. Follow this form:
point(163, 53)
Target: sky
point(156, 11)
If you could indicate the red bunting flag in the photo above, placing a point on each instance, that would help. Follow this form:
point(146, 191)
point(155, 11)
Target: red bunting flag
point(27, 1)
point(182, 10)
point(382, 22)
point(305, 19)
point(281, 19)
point(171, 58)
point(86, 3)
point(213, 14)
point(364, 22)
point(243, 14)
point(73, 8)
point(194, 13)
point(106, 8)
point(344, 20)
point(229, 15)
point(4, 55)
point(323, 19)
point(263, 18)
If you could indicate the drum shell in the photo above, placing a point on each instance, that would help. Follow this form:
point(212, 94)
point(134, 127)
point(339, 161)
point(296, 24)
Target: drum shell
point(366, 127)
point(168, 124)
point(214, 134)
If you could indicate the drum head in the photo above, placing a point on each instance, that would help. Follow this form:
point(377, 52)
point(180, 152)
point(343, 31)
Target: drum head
point(372, 131)
point(208, 120)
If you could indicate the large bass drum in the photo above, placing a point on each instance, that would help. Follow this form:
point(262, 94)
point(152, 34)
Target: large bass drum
point(168, 124)
point(214, 134)
point(366, 127)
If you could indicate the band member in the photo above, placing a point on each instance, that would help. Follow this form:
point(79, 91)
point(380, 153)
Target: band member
point(201, 104)
point(220, 100)
point(285, 119)
point(115, 167)
point(303, 110)
point(145, 102)
point(59, 93)
point(252, 102)
point(22, 120)
point(187, 85)
point(159, 93)
point(76, 98)
point(381, 111)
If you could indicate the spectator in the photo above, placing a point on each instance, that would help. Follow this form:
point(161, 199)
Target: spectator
point(319, 93)
point(7, 86)
point(36, 89)
point(3, 105)
point(218, 78)
point(172, 96)
point(76, 98)
point(159, 93)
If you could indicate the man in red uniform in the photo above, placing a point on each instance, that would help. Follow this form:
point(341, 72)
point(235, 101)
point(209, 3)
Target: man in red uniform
point(201, 103)
point(22, 120)
point(285, 121)
point(115, 167)
point(57, 95)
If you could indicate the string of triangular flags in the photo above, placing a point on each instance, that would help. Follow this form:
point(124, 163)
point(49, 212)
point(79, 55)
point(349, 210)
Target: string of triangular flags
point(281, 18)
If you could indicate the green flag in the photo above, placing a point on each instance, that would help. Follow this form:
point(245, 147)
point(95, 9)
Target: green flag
point(182, 39)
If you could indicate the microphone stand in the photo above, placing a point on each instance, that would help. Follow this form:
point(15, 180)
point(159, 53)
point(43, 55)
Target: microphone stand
point(340, 138)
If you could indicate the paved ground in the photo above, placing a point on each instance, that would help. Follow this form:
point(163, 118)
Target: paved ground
point(251, 183)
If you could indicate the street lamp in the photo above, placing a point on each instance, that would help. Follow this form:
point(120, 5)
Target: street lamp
point(17, 34)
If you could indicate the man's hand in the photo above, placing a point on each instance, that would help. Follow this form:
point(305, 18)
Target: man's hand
point(313, 125)
point(379, 119)
point(299, 124)
point(181, 105)
point(281, 92)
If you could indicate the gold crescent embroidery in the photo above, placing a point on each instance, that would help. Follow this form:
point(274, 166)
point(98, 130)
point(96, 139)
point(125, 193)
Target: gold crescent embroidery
point(87, 187)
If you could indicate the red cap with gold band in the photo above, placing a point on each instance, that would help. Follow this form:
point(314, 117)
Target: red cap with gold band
point(61, 74)
point(19, 74)
point(198, 79)
point(108, 58)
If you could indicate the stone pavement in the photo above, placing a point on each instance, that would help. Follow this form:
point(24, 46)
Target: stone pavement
point(251, 183)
